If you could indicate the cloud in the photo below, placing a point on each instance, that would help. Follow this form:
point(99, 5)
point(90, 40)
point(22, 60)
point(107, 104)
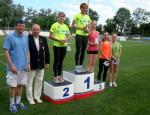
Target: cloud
point(105, 8)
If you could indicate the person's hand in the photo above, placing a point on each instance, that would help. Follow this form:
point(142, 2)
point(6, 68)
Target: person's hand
point(86, 28)
point(13, 69)
point(28, 67)
point(30, 32)
point(46, 66)
point(63, 41)
point(93, 44)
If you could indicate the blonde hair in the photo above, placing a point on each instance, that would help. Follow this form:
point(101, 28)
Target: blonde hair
point(93, 21)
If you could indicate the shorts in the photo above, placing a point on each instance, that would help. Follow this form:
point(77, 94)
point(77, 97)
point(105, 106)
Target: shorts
point(92, 52)
point(16, 79)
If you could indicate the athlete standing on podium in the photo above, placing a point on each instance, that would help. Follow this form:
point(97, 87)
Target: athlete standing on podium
point(80, 23)
point(93, 46)
point(104, 57)
point(59, 33)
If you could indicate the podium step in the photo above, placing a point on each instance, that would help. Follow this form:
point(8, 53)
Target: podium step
point(58, 93)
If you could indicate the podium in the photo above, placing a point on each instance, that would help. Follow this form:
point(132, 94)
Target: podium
point(76, 86)
point(58, 93)
point(83, 83)
point(99, 86)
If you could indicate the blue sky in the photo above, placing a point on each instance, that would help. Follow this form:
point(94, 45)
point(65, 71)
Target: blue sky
point(105, 8)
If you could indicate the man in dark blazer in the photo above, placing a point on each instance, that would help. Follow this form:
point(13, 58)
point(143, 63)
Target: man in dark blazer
point(39, 59)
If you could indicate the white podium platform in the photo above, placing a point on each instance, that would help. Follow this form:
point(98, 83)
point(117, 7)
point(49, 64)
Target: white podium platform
point(99, 86)
point(83, 83)
point(58, 93)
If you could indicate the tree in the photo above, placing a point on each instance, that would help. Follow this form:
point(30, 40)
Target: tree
point(122, 19)
point(145, 29)
point(93, 14)
point(110, 26)
point(29, 16)
point(140, 16)
point(99, 28)
point(17, 12)
point(5, 12)
point(10, 13)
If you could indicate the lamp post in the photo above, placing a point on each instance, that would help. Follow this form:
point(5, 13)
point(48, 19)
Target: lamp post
point(88, 6)
point(138, 25)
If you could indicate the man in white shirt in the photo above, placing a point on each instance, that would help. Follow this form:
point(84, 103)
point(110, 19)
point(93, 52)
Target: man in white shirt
point(39, 58)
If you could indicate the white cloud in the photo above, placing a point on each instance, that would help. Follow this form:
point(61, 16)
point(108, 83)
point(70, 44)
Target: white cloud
point(104, 12)
point(105, 8)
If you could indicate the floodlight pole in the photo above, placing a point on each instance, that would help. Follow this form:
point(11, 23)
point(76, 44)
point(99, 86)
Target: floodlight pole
point(88, 2)
point(139, 25)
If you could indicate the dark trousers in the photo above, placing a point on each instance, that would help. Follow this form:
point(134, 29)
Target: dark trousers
point(59, 55)
point(102, 68)
point(81, 45)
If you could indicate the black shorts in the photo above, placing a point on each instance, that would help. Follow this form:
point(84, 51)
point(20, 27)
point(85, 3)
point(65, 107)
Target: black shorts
point(92, 52)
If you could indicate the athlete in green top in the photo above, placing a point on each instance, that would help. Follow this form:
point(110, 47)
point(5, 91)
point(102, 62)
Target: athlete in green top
point(59, 32)
point(116, 53)
point(80, 23)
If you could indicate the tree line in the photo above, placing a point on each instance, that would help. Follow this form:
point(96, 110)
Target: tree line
point(123, 23)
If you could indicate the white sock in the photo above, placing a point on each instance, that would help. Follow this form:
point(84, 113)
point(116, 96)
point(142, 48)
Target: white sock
point(18, 99)
point(12, 101)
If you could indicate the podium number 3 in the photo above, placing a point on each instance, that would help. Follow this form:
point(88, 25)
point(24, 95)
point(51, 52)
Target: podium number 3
point(66, 90)
point(88, 82)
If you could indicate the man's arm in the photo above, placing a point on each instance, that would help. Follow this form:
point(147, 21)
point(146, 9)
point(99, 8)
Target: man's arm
point(8, 59)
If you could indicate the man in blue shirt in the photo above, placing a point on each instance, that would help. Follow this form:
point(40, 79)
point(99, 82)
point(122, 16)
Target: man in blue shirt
point(17, 56)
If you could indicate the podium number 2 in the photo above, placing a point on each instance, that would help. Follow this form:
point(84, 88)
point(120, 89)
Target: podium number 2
point(88, 82)
point(66, 90)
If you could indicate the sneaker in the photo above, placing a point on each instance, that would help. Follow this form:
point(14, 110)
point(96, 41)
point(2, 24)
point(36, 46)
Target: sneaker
point(39, 100)
point(61, 79)
point(21, 106)
point(13, 108)
point(31, 102)
point(82, 70)
point(115, 84)
point(78, 69)
point(56, 80)
point(110, 84)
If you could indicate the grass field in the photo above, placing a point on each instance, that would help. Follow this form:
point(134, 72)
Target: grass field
point(131, 97)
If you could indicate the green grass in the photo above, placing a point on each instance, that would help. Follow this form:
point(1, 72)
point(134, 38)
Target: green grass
point(131, 97)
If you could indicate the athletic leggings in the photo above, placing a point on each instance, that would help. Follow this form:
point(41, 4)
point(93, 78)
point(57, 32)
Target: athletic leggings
point(59, 55)
point(102, 68)
point(81, 45)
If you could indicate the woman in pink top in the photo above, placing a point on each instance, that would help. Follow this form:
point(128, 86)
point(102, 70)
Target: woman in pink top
point(92, 50)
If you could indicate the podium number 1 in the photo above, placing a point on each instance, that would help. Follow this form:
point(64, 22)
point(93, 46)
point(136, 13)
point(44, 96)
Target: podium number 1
point(66, 90)
point(88, 82)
